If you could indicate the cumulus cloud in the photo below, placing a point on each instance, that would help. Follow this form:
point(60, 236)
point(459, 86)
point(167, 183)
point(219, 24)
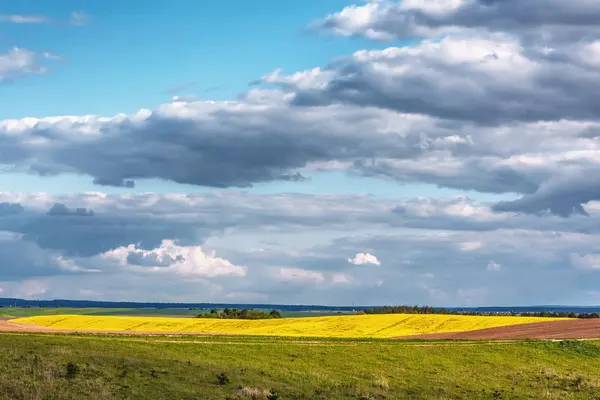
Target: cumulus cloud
point(31, 289)
point(470, 246)
point(404, 147)
point(586, 261)
point(147, 219)
point(493, 266)
point(19, 62)
point(535, 20)
point(489, 80)
point(342, 279)
point(23, 259)
point(187, 261)
point(363, 259)
point(166, 244)
point(430, 111)
point(301, 276)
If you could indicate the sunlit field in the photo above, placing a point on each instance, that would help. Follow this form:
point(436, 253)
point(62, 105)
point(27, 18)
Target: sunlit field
point(356, 326)
point(102, 367)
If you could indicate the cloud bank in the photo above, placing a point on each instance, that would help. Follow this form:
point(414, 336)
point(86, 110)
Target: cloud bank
point(480, 96)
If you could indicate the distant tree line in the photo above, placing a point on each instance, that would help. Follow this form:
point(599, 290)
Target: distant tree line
point(235, 313)
point(407, 310)
point(435, 310)
point(561, 314)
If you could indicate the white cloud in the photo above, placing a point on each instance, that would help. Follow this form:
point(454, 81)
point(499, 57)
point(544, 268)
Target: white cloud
point(342, 279)
point(187, 261)
point(298, 275)
point(30, 289)
point(472, 296)
point(586, 261)
point(364, 258)
point(79, 18)
point(534, 20)
point(20, 62)
point(470, 246)
point(493, 266)
point(23, 19)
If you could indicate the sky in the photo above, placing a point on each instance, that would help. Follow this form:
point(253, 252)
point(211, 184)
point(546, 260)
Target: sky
point(371, 152)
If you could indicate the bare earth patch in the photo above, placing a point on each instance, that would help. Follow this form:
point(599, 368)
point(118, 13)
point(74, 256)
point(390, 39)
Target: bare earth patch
point(571, 329)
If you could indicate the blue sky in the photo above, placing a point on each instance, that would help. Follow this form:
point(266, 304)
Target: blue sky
point(134, 51)
point(134, 54)
point(472, 126)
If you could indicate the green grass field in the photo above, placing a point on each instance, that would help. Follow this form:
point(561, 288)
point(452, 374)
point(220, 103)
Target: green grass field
point(44, 366)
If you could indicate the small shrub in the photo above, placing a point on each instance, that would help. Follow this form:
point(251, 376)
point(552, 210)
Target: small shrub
point(382, 383)
point(273, 395)
point(72, 370)
point(124, 371)
point(223, 378)
point(497, 394)
point(578, 382)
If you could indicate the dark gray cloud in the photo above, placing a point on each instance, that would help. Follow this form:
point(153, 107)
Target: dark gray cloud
point(222, 145)
point(61, 209)
point(10, 209)
point(487, 80)
point(125, 183)
point(563, 195)
point(243, 143)
point(500, 61)
point(152, 259)
point(145, 220)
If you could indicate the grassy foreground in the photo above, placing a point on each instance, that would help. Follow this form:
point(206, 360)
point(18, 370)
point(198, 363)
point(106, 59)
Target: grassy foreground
point(374, 326)
point(44, 366)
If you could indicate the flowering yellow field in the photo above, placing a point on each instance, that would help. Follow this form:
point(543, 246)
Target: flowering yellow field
point(374, 326)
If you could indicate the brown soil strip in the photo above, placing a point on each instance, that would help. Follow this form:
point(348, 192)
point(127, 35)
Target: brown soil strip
point(569, 329)
point(8, 326)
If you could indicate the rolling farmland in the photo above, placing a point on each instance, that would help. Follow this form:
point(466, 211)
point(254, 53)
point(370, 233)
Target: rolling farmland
point(369, 326)
point(340, 357)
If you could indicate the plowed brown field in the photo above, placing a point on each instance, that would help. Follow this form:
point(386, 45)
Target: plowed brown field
point(571, 329)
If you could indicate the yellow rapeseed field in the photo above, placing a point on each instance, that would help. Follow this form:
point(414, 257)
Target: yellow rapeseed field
point(354, 326)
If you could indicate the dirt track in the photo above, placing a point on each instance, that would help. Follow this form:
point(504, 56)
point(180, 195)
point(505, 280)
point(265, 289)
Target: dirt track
point(571, 329)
